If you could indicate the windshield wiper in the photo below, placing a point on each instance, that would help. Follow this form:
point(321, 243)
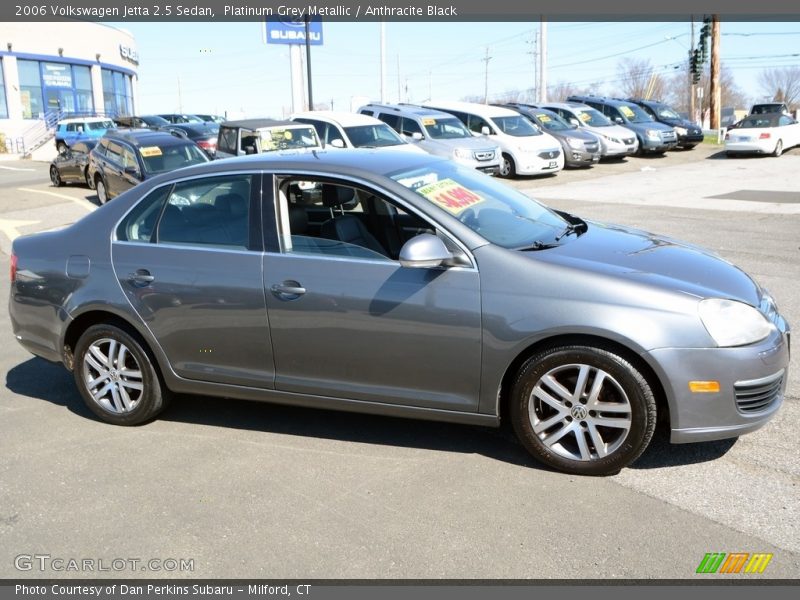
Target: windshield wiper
point(577, 227)
point(536, 245)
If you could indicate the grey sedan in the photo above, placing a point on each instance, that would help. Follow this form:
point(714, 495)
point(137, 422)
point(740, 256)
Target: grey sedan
point(401, 285)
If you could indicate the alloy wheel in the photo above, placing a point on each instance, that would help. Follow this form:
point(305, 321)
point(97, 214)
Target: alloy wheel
point(113, 376)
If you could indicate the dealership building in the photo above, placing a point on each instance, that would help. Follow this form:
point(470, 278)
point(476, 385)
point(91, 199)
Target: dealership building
point(51, 70)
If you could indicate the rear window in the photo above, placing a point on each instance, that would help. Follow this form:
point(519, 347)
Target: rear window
point(97, 125)
point(160, 159)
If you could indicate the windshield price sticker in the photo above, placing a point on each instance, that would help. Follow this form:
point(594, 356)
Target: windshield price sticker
point(429, 121)
point(150, 151)
point(451, 196)
point(585, 117)
point(626, 110)
point(543, 118)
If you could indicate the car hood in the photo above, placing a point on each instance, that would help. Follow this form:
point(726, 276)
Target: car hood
point(616, 131)
point(655, 260)
point(685, 123)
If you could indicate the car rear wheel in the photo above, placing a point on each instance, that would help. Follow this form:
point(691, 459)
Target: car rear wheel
point(100, 187)
point(507, 166)
point(116, 377)
point(583, 410)
point(88, 178)
point(778, 148)
point(55, 177)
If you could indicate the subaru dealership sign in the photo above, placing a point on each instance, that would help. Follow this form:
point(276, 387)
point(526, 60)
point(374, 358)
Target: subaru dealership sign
point(294, 32)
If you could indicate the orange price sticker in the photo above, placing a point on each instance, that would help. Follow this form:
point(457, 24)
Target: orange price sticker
point(451, 196)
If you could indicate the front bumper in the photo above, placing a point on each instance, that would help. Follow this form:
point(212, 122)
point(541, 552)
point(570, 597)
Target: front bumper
point(745, 373)
point(580, 158)
point(529, 163)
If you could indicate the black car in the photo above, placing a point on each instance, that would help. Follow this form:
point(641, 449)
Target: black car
point(124, 158)
point(211, 118)
point(72, 164)
point(181, 118)
point(689, 134)
point(202, 134)
point(145, 122)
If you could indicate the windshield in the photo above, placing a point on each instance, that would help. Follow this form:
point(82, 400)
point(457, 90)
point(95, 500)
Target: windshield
point(154, 121)
point(287, 138)
point(592, 118)
point(447, 128)
point(635, 114)
point(665, 112)
point(518, 126)
point(96, 125)
point(552, 122)
point(497, 212)
point(160, 159)
point(373, 136)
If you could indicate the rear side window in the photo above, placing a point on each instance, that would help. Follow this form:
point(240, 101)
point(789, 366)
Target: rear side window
point(227, 140)
point(212, 211)
point(140, 224)
point(392, 121)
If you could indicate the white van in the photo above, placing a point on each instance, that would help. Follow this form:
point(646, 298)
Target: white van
point(526, 149)
point(351, 130)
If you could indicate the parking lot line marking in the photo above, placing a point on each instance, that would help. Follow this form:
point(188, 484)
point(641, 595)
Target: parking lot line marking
point(79, 201)
point(11, 227)
point(15, 168)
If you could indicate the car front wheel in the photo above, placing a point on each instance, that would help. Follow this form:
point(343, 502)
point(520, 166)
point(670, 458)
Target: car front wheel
point(778, 148)
point(507, 166)
point(88, 178)
point(116, 377)
point(582, 410)
point(55, 177)
point(100, 187)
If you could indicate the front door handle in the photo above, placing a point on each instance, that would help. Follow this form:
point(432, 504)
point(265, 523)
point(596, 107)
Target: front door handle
point(288, 290)
point(141, 278)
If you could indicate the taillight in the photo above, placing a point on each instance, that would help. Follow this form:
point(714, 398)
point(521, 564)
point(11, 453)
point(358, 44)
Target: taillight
point(13, 268)
point(207, 144)
point(764, 136)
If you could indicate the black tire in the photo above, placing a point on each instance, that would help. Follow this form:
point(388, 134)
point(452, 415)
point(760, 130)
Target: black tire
point(621, 388)
point(55, 177)
point(507, 167)
point(88, 179)
point(102, 191)
point(778, 148)
point(109, 387)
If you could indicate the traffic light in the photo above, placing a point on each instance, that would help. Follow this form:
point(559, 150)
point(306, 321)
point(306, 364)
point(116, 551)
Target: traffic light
point(695, 66)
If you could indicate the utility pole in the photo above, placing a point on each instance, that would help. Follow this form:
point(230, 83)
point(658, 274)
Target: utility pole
point(543, 60)
point(180, 99)
point(383, 61)
point(691, 78)
point(715, 91)
point(486, 77)
point(399, 89)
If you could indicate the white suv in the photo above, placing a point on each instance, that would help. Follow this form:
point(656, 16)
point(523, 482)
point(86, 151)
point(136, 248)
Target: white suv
point(526, 149)
point(351, 130)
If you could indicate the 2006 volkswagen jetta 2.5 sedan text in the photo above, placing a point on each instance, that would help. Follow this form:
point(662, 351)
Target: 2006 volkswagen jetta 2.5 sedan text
point(401, 285)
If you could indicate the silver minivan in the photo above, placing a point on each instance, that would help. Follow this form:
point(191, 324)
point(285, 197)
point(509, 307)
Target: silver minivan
point(438, 133)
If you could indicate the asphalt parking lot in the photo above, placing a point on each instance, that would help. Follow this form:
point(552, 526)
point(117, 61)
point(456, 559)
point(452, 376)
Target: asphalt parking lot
point(256, 490)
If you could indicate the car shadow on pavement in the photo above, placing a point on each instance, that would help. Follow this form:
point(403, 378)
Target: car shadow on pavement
point(38, 378)
point(660, 453)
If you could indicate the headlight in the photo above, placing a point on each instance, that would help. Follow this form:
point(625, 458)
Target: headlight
point(611, 139)
point(733, 323)
point(575, 143)
point(462, 153)
point(653, 134)
point(680, 130)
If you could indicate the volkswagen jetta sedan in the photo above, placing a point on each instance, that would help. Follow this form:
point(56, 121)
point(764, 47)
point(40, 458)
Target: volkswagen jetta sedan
point(403, 285)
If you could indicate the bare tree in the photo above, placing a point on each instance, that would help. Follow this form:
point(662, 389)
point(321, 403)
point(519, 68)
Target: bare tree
point(677, 91)
point(782, 85)
point(638, 79)
point(564, 89)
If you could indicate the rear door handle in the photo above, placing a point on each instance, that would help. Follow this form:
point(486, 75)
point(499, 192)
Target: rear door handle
point(288, 290)
point(141, 277)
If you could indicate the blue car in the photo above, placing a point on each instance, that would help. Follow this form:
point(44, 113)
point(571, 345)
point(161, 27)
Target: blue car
point(74, 130)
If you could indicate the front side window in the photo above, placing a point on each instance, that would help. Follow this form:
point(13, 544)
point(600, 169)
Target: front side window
point(517, 126)
point(213, 211)
point(345, 220)
point(495, 211)
point(447, 128)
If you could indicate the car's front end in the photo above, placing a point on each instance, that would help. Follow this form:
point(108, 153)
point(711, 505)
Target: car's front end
point(615, 141)
point(581, 149)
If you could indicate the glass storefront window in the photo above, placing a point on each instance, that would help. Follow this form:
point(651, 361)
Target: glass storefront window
point(82, 80)
point(30, 89)
point(117, 96)
point(3, 104)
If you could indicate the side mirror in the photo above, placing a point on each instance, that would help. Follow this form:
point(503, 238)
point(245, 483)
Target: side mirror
point(337, 143)
point(485, 130)
point(132, 171)
point(424, 251)
point(618, 120)
point(575, 122)
point(416, 136)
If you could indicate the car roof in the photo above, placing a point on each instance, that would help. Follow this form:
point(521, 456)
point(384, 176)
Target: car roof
point(486, 110)
point(411, 109)
point(565, 105)
point(345, 119)
point(605, 100)
point(85, 120)
point(146, 137)
point(257, 123)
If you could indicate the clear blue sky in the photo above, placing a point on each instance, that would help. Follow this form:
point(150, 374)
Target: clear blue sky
point(226, 67)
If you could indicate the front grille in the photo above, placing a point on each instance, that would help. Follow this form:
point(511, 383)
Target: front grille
point(549, 154)
point(483, 155)
point(758, 394)
point(668, 136)
point(627, 141)
point(592, 147)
